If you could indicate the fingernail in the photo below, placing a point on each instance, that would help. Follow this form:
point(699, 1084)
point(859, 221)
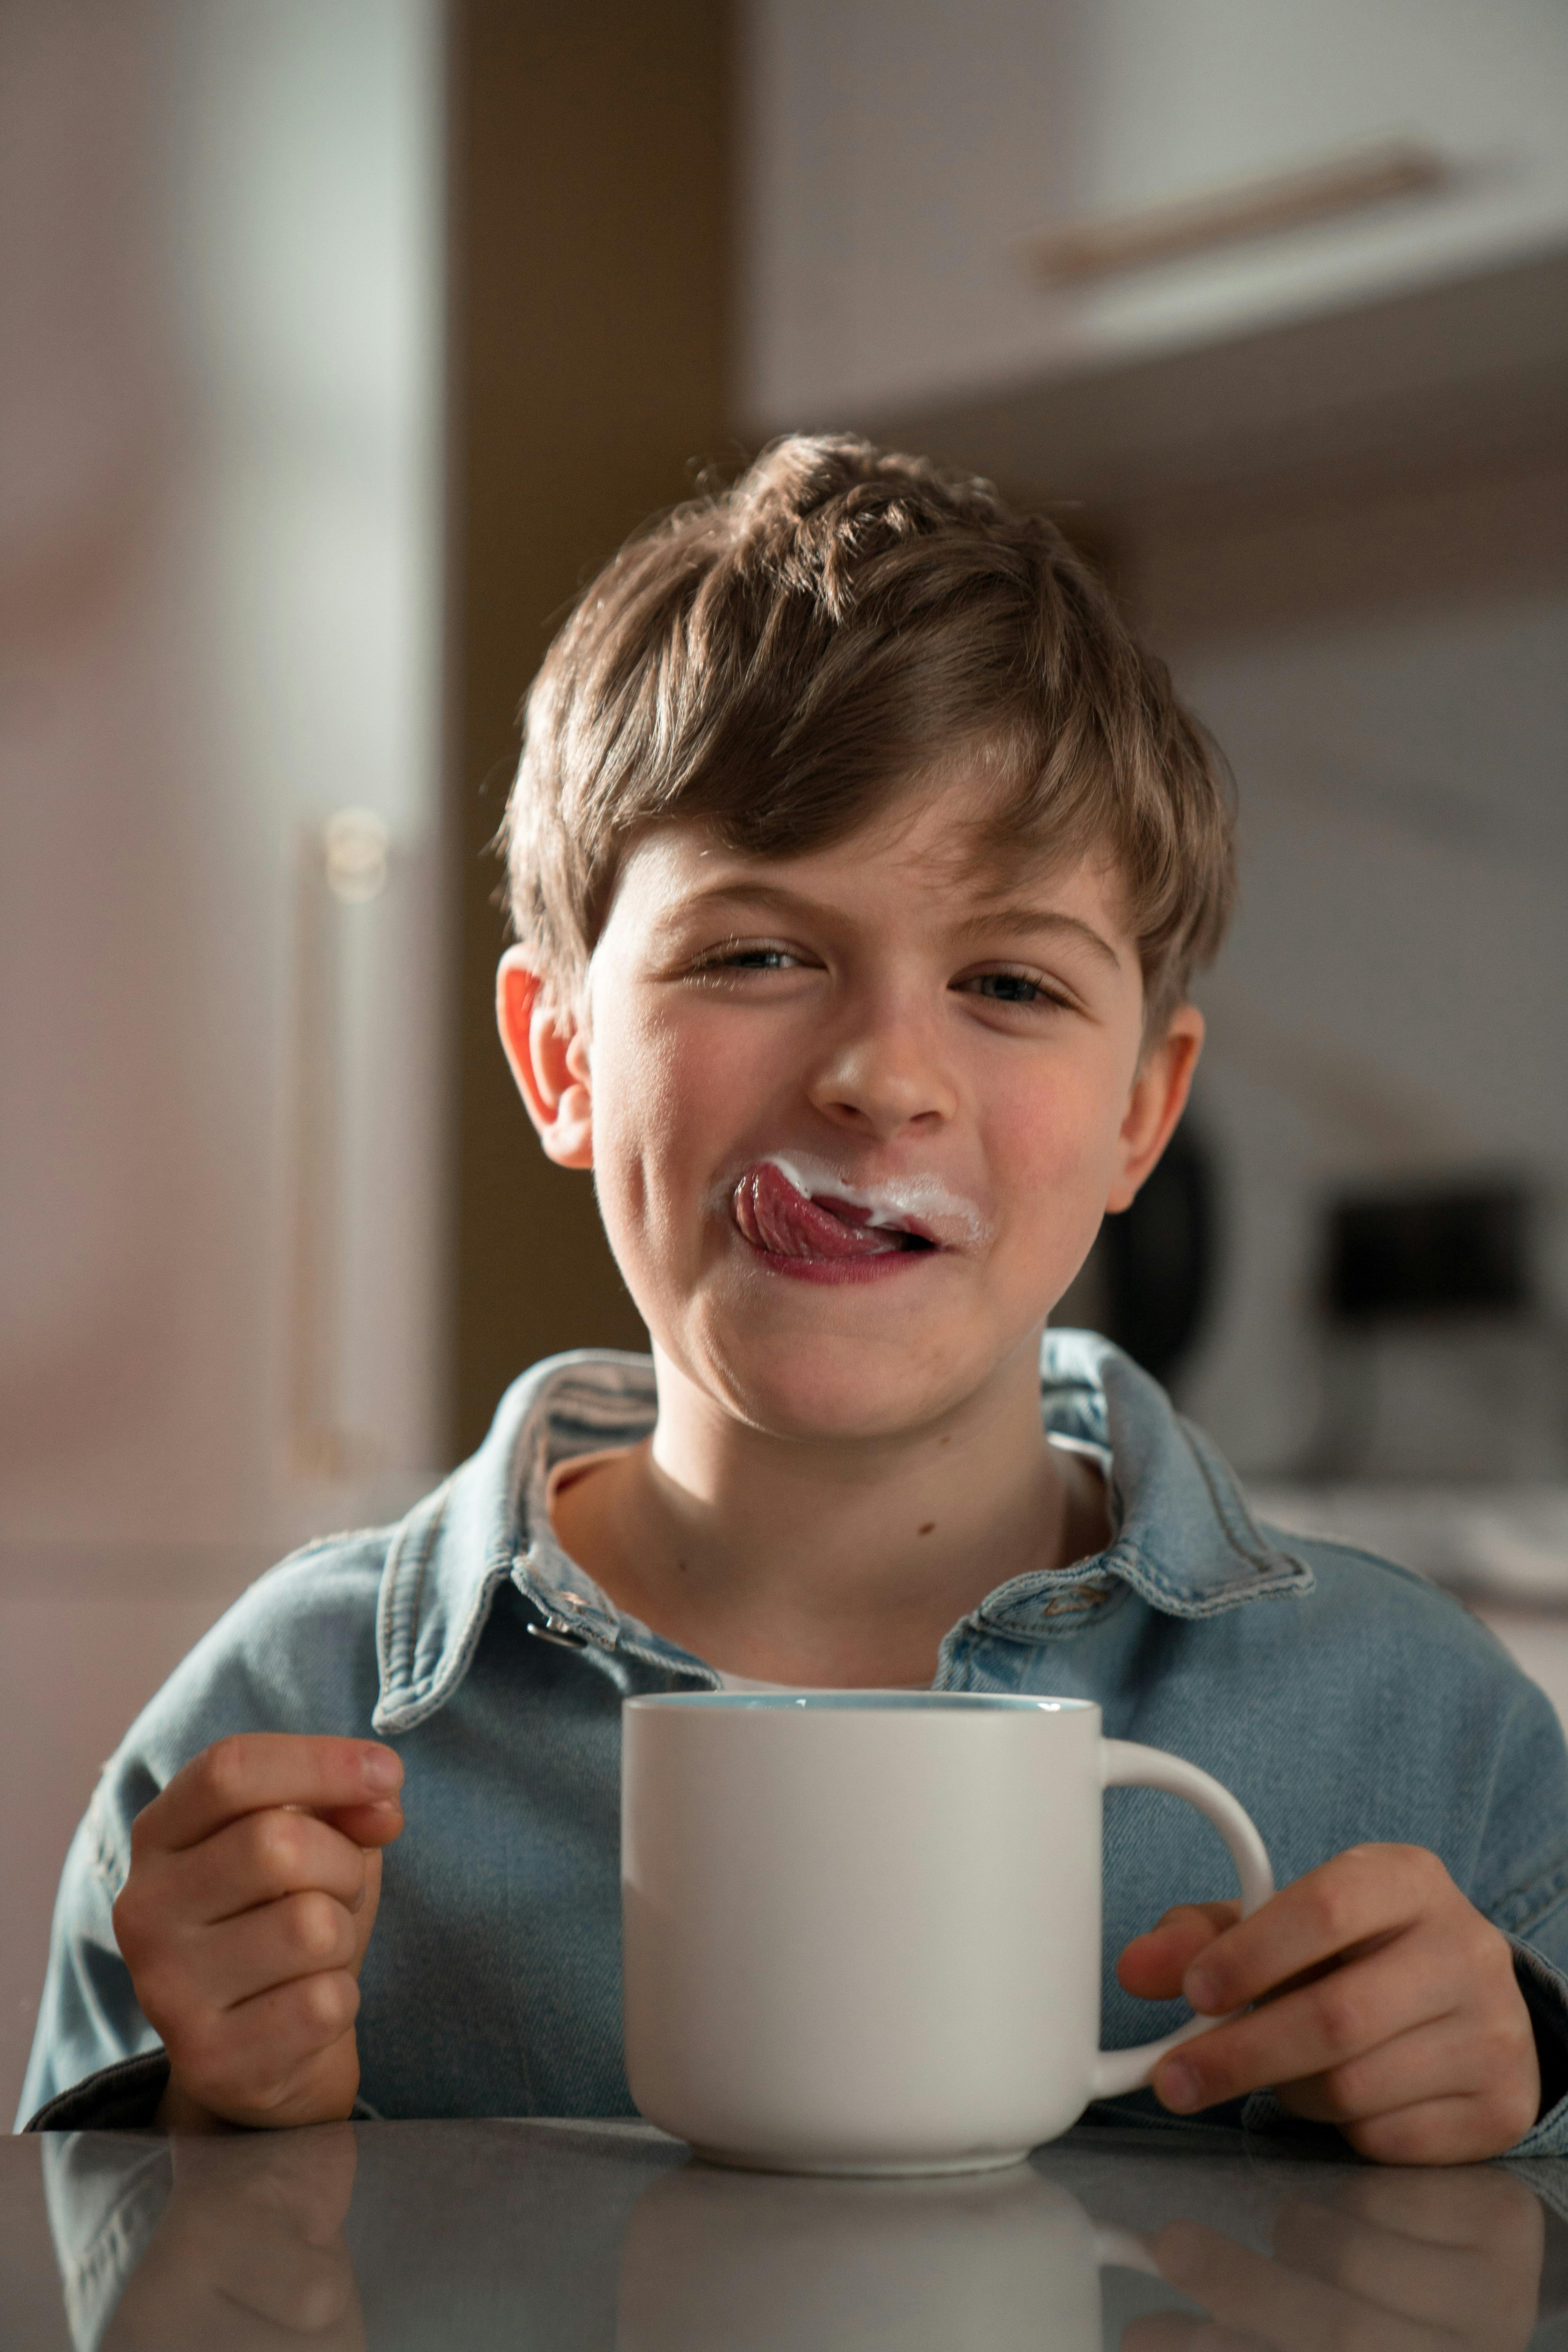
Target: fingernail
point(1200, 1989)
point(1178, 2087)
point(382, 1767)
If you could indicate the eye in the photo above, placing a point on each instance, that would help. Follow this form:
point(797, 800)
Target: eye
point(744, 955)
point(756, 959)
point(1021, 988)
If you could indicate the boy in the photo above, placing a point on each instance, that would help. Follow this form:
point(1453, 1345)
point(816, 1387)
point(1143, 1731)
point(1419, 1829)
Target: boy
point(859, 862)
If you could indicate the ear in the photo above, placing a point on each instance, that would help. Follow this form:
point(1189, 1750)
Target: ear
point(547, 1047)
point(1158, 1098)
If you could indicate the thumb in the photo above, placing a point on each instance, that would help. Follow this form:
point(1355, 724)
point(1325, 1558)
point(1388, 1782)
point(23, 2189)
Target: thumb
point(1153, 1965)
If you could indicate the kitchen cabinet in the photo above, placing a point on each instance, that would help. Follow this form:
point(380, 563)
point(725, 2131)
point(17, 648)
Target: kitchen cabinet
point(895, 161)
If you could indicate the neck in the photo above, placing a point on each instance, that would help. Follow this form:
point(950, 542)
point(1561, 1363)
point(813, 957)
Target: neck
point(831, 1562)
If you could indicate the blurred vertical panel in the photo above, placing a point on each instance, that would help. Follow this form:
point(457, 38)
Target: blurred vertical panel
point(223, 1153)
point(220, 567)
point(588, 199)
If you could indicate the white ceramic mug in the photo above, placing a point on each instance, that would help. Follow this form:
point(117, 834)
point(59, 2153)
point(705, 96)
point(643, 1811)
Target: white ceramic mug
point(862, 1928)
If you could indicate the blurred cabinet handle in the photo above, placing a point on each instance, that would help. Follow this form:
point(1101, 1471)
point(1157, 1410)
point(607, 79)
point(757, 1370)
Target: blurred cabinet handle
point(340, 867)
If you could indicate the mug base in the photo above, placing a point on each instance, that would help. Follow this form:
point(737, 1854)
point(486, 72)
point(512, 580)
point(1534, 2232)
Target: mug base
point(862, 2168)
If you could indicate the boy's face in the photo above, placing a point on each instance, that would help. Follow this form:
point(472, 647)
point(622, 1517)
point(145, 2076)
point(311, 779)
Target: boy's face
point(960, 1045)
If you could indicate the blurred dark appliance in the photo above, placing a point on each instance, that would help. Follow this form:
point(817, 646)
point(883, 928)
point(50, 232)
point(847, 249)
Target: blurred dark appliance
point(1432, 1328)
point(1397, 1256)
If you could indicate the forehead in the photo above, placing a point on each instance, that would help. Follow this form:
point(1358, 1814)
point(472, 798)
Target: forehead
point(936, 840)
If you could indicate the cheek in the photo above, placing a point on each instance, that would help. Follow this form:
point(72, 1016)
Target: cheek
point(666, 1102)
point(1064, 1131)
point(1053, 1147)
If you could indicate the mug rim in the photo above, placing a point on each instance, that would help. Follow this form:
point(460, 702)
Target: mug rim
point(864, 1702)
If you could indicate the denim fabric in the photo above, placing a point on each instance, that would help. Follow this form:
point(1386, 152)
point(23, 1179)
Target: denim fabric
point(1341, 1698)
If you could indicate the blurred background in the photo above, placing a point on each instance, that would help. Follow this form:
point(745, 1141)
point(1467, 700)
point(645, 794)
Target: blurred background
point(341, 340)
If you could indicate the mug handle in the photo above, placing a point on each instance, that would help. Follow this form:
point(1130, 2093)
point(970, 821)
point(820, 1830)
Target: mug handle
point(1126, 1765)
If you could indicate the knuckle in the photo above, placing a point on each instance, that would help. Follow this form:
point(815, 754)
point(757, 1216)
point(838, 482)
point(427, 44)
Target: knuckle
point(1334, 1902)
point(329, 2002)
point(1338, 2014)
point(315, 1926)
point(1494, 1959)
point(1505, 2113)
point(223, 1772)
point(275, 1847)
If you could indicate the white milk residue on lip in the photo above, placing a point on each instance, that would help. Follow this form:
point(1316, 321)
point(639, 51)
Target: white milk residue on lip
point(947, 1216)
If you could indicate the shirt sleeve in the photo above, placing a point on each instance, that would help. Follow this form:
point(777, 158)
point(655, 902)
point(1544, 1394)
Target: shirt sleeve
point(1519, 1880)
point(89, 2018)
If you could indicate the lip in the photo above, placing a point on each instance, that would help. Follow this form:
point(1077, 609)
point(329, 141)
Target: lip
point(853, 1214)
point(803, 1217)
point(881, 1268)
point(911, 1201)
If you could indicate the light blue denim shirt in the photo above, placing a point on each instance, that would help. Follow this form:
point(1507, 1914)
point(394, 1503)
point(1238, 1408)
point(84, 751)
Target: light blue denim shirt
point(1343, 1700)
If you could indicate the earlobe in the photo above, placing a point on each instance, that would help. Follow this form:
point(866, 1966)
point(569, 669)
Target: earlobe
point(547, 1050)
point(1158, 1098)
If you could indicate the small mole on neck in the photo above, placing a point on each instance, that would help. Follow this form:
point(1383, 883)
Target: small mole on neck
point(927, 1529)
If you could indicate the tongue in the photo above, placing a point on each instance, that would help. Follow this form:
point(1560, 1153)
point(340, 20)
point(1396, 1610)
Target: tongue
point(774, 1215)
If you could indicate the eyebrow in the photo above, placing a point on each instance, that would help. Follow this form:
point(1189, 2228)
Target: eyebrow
point(1010, 915)
point(1014, 917)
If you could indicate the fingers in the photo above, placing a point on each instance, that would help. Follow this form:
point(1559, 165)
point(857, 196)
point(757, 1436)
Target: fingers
point(1448, 2058)
point(1153, 1966)
point(273, 1945)
point(1322, 2025)
point(366, 1825)
point(1344, 1904)
point(1421, 2021)
point(262, 1857)
point(286, 2056)
point(187, 1982)
point(1459, 2130)
point(253, 1772)
point(253, 1889)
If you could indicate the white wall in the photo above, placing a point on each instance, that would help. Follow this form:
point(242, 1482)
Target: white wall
point(220, 279)
point(896, 152)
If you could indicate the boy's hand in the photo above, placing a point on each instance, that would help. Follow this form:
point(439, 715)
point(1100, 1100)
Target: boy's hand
point(253, 1882)
point(1387, 2005)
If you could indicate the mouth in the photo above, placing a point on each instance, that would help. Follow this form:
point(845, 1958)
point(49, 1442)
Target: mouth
point(799, 1230)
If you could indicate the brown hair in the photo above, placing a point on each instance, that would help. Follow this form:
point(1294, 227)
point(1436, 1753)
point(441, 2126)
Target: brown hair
point(781, 657)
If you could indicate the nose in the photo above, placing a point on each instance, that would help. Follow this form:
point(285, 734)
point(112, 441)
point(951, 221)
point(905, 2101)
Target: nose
point(882, 1071)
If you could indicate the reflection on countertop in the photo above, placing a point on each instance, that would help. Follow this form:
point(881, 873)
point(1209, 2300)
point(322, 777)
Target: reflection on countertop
point(579, 2235)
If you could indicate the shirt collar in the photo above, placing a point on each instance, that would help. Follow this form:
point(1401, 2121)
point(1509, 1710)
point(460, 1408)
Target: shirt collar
point(1185, 1539)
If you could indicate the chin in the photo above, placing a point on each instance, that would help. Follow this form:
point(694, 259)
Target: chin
point(842, 1390)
